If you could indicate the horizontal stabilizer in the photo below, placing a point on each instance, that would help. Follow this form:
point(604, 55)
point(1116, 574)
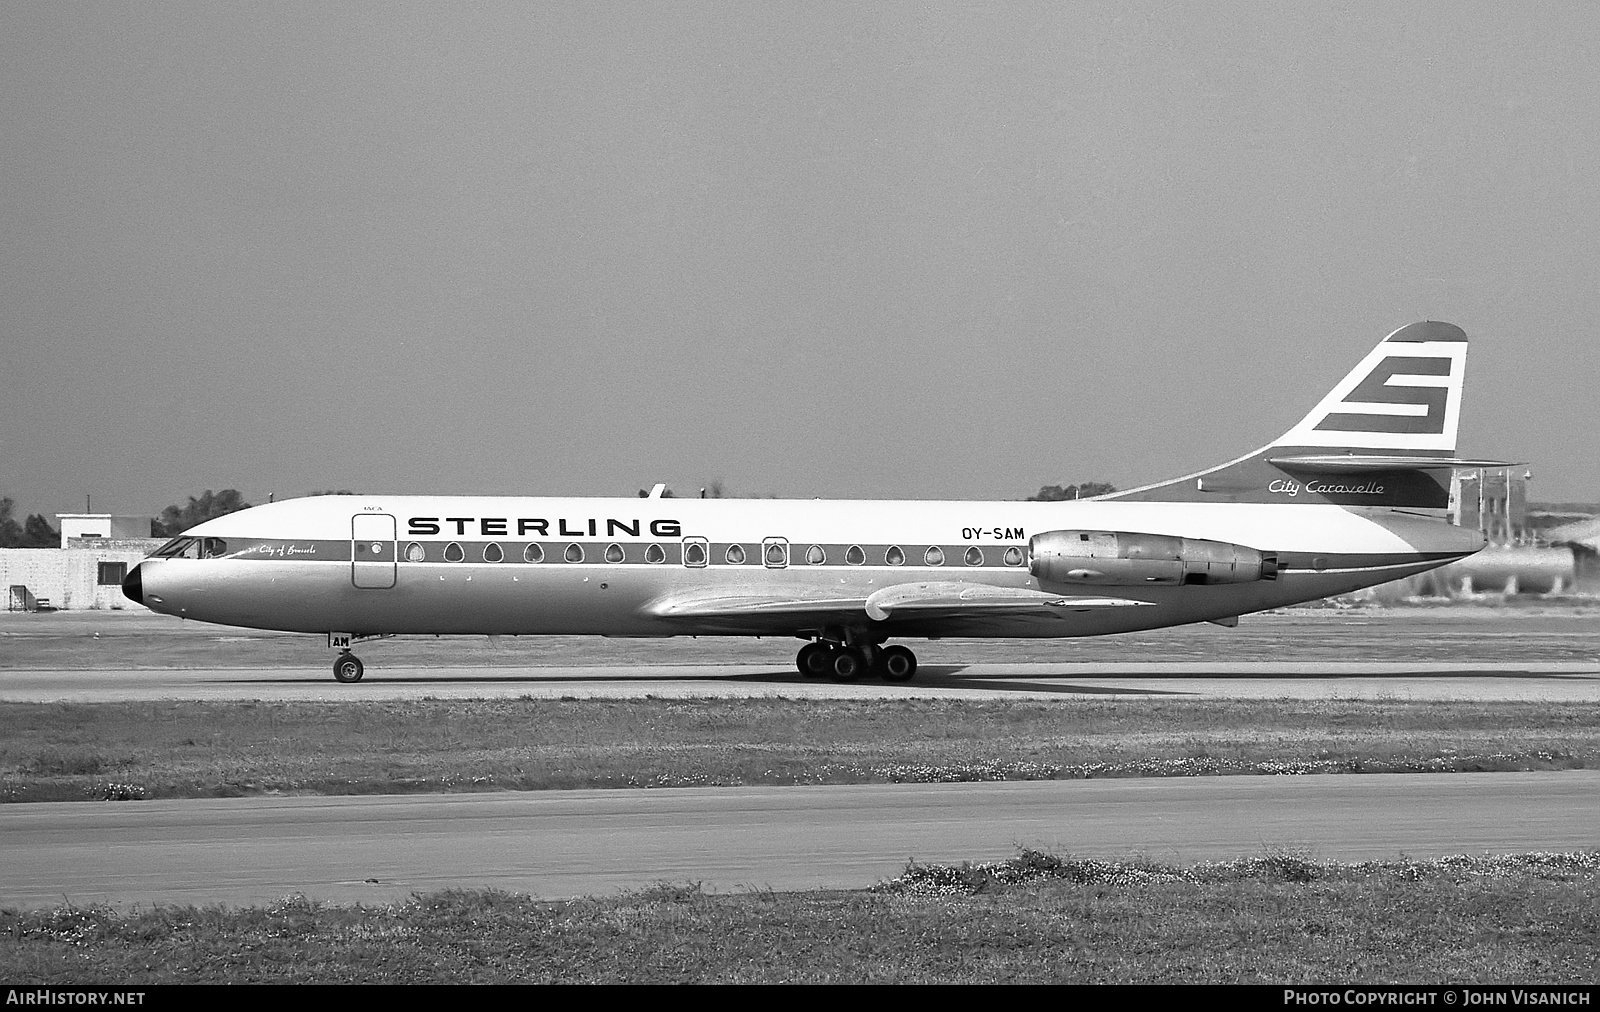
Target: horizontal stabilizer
point(1380, 462)
point(967, 598)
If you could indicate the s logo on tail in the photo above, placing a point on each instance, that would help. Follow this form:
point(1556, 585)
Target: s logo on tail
point(1405, 395)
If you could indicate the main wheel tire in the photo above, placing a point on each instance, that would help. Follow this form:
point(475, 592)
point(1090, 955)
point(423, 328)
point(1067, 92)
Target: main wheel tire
point(348, 668)
point(899, 663)
point(812, 661)
point(848, 664)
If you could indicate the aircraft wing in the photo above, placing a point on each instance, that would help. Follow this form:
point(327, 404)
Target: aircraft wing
point(929, 599)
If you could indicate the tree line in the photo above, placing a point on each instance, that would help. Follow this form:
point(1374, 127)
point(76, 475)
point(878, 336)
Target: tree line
point(34, 532)
point(1046, 493)
point(1059, 493)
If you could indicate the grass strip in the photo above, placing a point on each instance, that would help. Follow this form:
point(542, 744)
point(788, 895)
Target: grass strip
point(1531, 918)
point(132, 750)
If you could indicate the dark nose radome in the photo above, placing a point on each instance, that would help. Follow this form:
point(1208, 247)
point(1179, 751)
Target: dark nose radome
point(133, 586)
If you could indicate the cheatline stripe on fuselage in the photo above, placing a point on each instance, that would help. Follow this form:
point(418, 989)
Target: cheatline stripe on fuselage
point(835, 555)
point(633, 553)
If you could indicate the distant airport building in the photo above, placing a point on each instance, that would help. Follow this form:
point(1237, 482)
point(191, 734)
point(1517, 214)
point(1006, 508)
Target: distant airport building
point(1494, 502)
point(102, 525)
point(86, 572)
point(1583, 538)
point(1530, 551)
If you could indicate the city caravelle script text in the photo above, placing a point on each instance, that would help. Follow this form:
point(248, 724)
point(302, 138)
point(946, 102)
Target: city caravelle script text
point(1323, 488)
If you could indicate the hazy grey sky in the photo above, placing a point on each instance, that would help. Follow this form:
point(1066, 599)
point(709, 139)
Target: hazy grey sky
point(922, 250)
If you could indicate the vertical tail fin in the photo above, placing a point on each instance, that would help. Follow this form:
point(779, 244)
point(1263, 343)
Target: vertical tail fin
point(1384, 436)
point(1405, 397)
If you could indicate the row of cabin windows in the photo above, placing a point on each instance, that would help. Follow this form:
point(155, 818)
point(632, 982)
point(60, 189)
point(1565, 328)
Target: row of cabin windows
point(694, 554)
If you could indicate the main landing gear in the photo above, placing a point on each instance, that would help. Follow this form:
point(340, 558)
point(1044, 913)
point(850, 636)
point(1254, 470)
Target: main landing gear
point(843, 663)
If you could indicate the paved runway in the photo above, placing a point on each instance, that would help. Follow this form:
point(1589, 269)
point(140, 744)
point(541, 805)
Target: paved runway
point(1553, 681)
point(253, 850)
point(567, 843)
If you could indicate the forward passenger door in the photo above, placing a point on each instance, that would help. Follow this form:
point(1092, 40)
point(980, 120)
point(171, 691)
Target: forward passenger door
point(372, 551)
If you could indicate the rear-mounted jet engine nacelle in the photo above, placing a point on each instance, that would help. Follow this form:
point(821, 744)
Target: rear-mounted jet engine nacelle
point(1117, 558)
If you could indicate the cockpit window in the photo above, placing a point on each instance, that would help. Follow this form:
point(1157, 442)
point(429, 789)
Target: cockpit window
point(178, 548)
point(213, 548)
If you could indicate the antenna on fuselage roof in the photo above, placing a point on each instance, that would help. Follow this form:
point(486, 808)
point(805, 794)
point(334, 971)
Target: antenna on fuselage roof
point(656, 490)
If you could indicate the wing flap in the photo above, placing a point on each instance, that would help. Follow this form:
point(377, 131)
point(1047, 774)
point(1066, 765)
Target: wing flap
point(750, 604)
point(920, 600)
point(968, 598)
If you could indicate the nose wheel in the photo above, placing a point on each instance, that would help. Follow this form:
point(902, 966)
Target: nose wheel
point(348, 668)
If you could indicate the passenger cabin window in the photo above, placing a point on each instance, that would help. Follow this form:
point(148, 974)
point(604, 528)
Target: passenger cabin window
point(775, 552)
point(614, 553)
point(815, 556)
point(735, 555)
point(1013, 556)
point(574, 553)
point(453, 552)
point(895, 556)
point(415, 553)
point(934, 556)
point(974, 556)
point(533, 553)
point(854, 556)
point(655, 555)
point(492, 552)
point(694, 552)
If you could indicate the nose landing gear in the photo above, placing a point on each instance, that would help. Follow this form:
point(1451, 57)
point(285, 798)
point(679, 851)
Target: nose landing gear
point(348, 668)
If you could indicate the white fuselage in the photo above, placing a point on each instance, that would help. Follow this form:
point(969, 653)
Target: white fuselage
point(375, 565)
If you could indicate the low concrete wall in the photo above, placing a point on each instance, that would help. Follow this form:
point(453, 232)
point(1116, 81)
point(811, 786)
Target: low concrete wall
point(69, 577)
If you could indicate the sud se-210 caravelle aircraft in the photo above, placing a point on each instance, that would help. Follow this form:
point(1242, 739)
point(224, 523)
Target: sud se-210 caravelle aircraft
point(1348, 498)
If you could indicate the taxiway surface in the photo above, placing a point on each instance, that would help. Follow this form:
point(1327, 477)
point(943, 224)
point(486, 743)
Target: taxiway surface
point(1549, 681)
point(568, 843)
